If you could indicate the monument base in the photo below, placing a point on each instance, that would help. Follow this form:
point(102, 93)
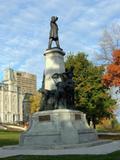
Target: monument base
point(57, 127)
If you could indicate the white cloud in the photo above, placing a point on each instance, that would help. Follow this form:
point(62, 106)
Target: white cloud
point(24, 29)
point(34, 65)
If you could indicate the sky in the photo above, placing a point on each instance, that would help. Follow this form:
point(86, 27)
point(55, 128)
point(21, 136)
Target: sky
point(24, 30)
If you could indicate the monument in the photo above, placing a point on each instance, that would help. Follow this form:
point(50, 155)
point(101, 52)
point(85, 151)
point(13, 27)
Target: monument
point(57, 123)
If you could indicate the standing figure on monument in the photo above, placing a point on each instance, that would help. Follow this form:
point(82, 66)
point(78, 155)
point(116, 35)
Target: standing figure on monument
point(53, 32)
point(69, 88)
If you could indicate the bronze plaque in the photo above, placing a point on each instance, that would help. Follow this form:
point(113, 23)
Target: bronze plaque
point(44, 118)
point(77, 116)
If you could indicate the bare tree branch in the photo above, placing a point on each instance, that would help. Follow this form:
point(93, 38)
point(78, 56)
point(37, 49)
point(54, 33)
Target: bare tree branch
point(110, 41)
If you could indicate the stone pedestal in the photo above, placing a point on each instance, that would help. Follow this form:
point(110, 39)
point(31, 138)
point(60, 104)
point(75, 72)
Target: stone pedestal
point(57, 127)
point(54, 63)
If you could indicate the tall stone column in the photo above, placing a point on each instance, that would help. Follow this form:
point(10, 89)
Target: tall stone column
point(54, 63)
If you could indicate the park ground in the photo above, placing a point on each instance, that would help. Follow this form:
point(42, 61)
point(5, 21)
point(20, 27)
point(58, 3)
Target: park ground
point(112, 156)
point(12, 138)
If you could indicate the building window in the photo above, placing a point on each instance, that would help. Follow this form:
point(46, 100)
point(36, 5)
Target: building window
point(13, 117)
point(5, 117)
point(19, 74)
point(18, 117)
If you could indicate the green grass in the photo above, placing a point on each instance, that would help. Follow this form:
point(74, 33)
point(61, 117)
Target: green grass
point(108, 130)
point(9, 137)
point(112, 156)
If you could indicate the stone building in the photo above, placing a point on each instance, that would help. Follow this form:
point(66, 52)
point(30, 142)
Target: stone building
point(13, 89)
point(26, 82)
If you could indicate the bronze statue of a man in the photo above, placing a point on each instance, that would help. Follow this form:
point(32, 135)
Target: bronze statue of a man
point(53, 32)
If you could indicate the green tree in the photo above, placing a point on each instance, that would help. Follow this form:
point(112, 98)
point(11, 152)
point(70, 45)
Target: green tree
point(91, 96)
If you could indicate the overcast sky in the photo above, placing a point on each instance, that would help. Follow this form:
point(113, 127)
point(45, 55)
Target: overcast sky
point(24, 29)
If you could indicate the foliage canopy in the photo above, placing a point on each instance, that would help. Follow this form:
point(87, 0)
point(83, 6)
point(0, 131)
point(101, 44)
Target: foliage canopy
point(35, 102)
point(112, 75)
point(91, 95)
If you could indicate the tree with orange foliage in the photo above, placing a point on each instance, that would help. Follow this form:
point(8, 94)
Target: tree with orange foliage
point(112, 75)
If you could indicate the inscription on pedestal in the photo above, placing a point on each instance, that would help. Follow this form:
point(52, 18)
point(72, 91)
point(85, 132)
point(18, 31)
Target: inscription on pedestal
point(77, 116)
point(44, 118)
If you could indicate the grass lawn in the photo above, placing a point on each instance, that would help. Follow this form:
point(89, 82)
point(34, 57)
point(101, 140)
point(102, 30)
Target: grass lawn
point(9, 137)
point(112, 156)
